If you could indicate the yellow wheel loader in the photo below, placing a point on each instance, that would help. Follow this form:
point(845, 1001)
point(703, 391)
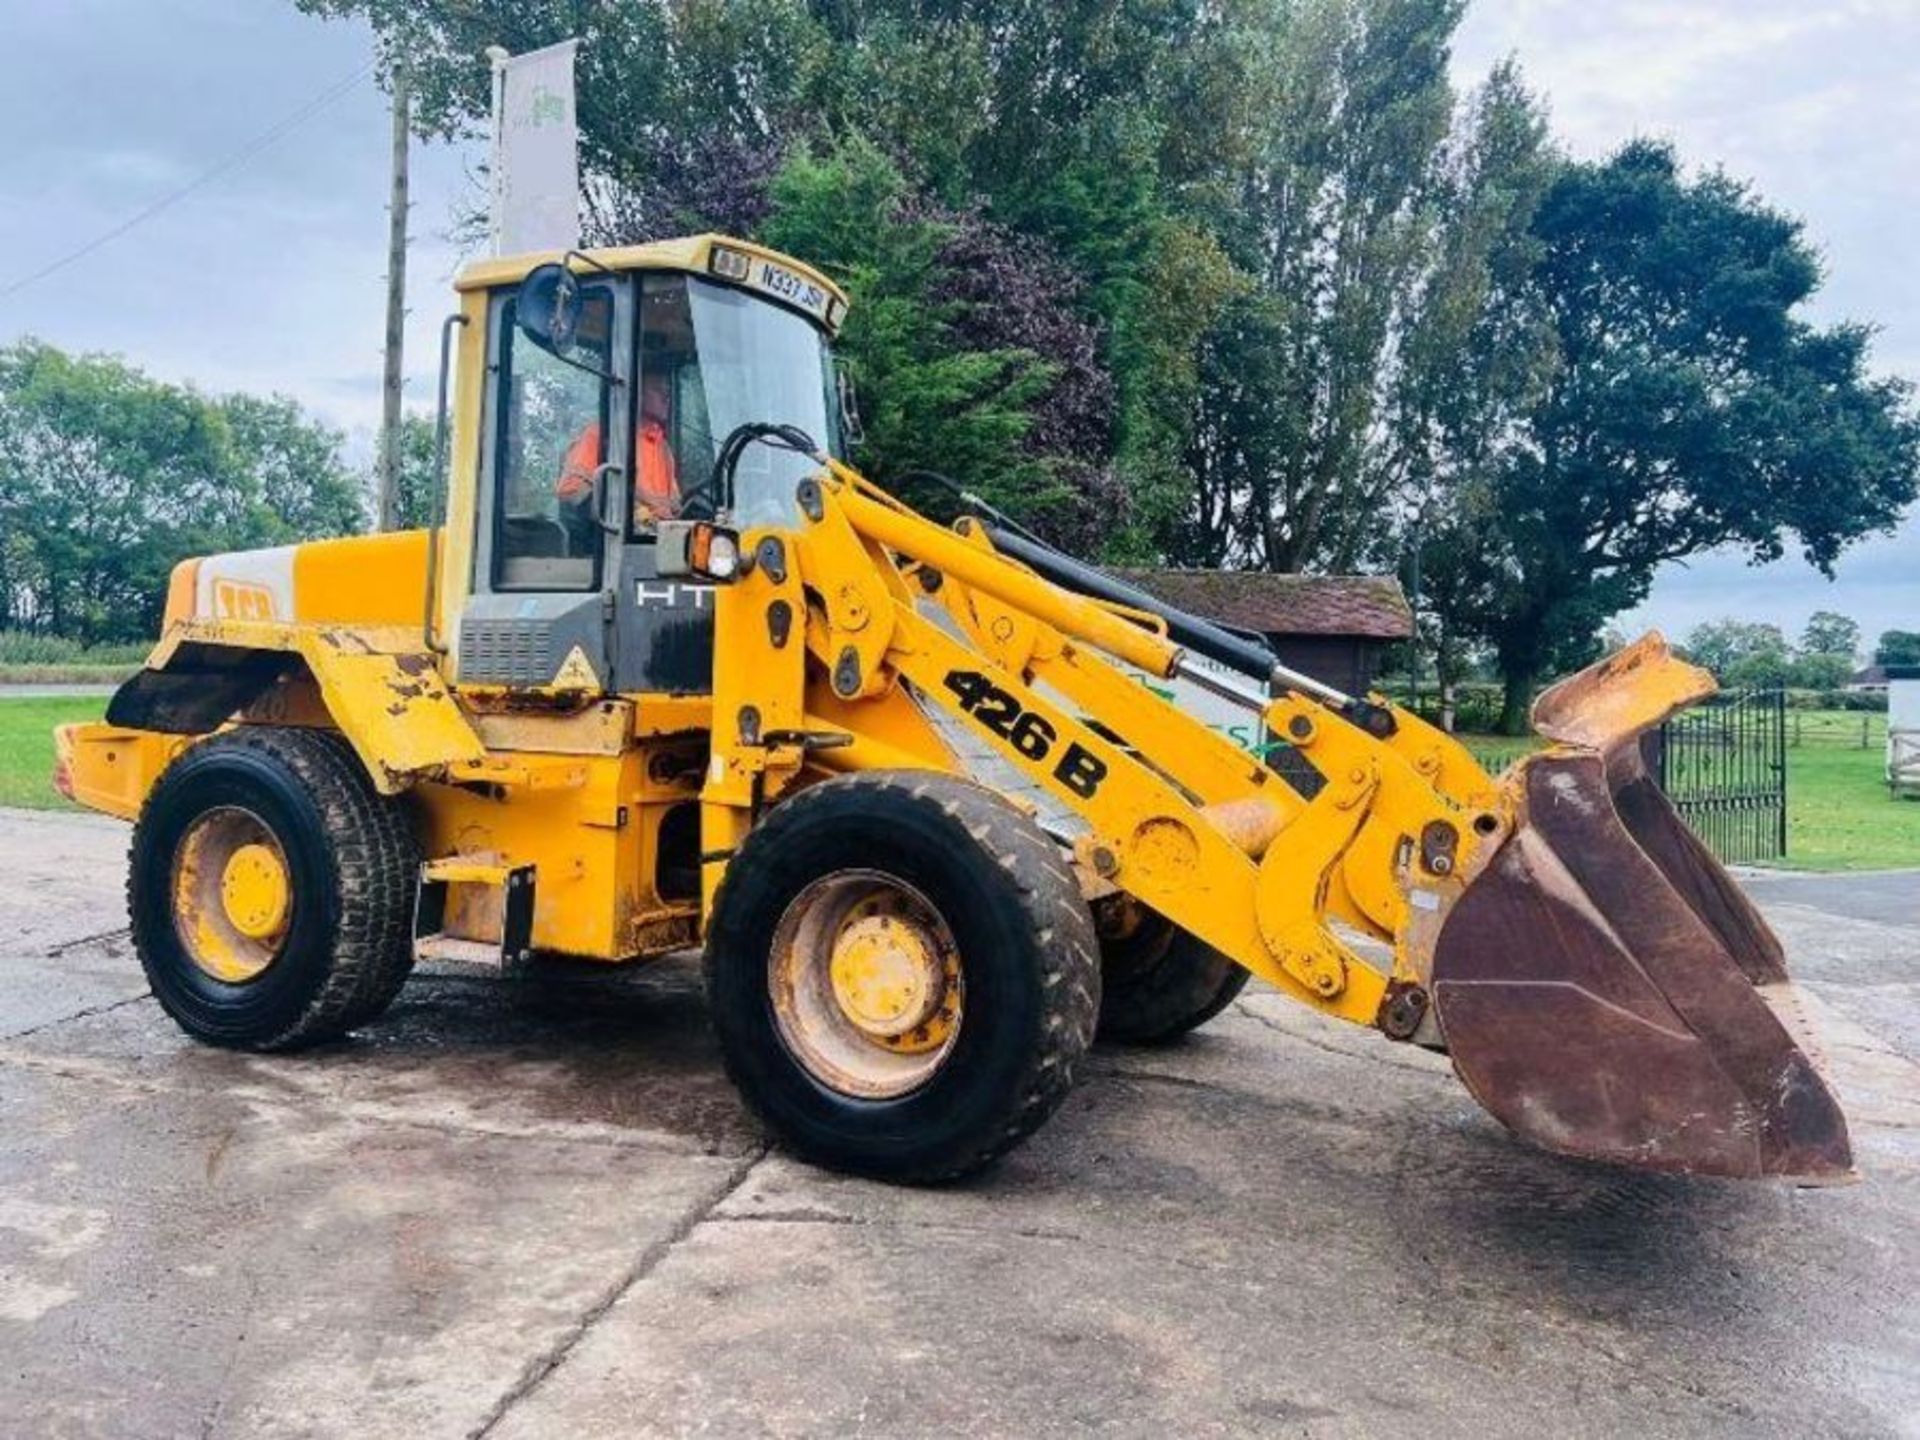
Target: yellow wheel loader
point(668, 673)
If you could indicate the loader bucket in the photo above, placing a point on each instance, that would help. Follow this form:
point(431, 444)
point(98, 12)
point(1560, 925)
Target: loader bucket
point(1603, 987)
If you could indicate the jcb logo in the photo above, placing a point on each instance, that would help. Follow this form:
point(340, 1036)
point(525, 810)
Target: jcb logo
point(242, 600)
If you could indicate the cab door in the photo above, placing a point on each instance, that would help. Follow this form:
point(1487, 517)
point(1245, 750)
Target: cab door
point(554, 454)
point(663, 629)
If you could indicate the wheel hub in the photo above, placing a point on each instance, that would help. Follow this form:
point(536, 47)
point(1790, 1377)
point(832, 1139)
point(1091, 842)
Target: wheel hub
point(254, 891)
point(886, 977)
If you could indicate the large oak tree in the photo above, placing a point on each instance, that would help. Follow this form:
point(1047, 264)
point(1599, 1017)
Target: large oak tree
point(1690, 406)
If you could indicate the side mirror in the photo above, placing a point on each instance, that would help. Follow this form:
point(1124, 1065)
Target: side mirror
point(547, 307)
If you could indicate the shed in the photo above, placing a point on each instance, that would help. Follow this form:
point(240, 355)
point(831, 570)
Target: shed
point(1335, 628)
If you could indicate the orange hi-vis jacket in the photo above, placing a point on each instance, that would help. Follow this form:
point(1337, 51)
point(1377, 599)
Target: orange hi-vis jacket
point(658, 491)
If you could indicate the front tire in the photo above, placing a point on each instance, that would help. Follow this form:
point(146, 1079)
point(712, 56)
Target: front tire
point(271, 889)
point(902, 974)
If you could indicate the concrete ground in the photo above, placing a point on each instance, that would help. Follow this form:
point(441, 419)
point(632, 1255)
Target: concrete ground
point(536, 1209)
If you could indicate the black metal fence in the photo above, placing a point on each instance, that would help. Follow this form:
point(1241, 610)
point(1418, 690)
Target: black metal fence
point(1723, 763)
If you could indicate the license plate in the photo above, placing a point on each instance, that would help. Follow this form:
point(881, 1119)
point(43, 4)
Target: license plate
point(794, 289)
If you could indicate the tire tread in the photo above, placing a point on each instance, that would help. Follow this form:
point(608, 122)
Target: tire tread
point(1055, 912)
point(375, 862)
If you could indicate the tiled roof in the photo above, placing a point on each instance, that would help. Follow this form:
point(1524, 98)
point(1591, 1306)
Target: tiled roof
point(1369, 606)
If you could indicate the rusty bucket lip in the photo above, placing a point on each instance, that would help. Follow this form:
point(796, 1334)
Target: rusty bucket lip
point(1620, 697)
point(1635, 960)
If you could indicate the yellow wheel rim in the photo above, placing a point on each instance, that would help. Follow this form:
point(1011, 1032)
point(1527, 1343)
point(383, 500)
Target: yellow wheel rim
point(867, 987)
point(232, 894)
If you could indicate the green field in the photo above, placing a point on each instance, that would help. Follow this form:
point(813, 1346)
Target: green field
point(1839, 816)
point(26, 746)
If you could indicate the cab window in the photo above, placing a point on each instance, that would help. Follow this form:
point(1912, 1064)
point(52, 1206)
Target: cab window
point(550, 440)
point(712, 358)
point(672, 445)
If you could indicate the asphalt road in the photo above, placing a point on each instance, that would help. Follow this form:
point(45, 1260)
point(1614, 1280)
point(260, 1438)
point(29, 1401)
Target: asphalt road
point(37, 691)
point(535, 1208)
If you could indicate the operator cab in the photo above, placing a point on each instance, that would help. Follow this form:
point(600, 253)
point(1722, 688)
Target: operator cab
point(613, 381)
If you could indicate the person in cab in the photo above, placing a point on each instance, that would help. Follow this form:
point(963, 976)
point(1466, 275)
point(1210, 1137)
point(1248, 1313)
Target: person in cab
point(656, 492)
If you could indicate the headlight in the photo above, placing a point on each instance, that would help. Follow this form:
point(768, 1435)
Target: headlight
point(728, 264)
point(722, 560)
point(696, 550)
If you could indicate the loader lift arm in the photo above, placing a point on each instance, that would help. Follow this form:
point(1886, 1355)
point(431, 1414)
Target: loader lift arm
point(1186, 823)
point(1178, 817)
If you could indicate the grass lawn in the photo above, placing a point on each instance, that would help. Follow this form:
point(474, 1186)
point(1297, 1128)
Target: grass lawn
point(1839, 815)
point(1496, 752)
point(26, 746)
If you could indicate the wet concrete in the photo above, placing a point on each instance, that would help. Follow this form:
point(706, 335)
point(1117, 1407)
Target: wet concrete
point(534, 1208)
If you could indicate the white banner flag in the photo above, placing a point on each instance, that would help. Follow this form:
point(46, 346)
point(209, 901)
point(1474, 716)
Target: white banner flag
point(536, 152)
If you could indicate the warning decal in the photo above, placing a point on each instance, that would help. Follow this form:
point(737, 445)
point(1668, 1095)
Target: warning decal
point(576, 672)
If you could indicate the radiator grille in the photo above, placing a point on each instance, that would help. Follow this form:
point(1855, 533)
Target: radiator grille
point(506, 652)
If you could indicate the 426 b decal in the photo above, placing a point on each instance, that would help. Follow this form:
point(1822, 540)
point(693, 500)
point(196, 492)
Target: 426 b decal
point(1031, 735)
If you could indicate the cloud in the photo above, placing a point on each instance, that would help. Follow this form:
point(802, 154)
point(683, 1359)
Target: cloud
point(271, 276)
point(133, 168)
point(1812, 101)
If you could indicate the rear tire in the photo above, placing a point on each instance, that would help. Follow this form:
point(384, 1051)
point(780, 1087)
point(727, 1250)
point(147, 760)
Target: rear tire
point(991, 901)
point(1158, 981)
point(347, 864)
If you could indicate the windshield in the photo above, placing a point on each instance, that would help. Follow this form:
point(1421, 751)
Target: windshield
point(714, 358)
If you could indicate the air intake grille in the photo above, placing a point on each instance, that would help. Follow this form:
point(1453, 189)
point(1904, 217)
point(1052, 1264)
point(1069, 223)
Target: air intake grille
point(506, 652)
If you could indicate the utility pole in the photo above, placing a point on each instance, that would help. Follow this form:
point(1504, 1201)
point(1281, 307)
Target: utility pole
point(389, 517)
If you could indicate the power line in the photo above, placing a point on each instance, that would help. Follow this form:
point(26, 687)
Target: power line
point(237, 158)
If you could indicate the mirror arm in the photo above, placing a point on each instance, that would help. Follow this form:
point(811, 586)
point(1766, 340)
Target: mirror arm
point(586, 259)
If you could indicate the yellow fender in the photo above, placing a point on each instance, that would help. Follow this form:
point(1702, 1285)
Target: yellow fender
point(381, 687)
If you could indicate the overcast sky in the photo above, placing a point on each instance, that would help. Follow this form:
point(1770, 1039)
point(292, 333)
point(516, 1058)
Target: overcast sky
point(269, 277)
point(1814, 101)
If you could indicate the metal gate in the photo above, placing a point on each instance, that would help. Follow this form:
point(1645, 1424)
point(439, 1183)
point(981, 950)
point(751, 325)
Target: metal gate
point(1723, 764)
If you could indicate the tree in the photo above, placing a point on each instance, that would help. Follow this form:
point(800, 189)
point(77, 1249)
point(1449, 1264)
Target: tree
point(1331, 218)
point(932, 401)
point(1477, 348)
point(1689, 408)
point(1237, 282)
point(1828, 633)
point(1066, 131)
point(1820, 671)
point(1897, 647)
point(108, 478)
point(1763, 670)
point(1726, 646)
point(418, 499)
point(297, 483)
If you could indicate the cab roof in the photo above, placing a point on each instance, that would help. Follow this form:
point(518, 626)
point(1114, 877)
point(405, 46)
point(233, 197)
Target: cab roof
point(692, 253)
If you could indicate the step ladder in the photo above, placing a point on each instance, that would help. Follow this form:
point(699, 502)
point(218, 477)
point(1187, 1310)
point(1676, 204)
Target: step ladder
point(476, 909)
